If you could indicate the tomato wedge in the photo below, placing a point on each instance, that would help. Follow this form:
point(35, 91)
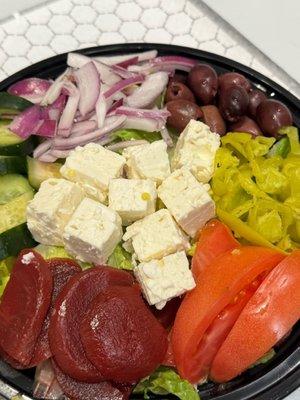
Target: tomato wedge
point(215, 239)
point(269, 315)
point(216, 288)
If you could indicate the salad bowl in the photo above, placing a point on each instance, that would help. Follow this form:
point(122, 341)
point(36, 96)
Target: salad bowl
point(271, 381)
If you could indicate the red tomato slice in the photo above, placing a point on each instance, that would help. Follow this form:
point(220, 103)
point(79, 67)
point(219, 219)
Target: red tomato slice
point(216, 288)
point(269, 315)
point(215, 239)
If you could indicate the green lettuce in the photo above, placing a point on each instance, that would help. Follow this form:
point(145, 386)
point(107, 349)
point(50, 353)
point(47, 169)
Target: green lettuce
point(265, 358)
point(166, 381)
point(120, 258)
point(49, 252)
point(134, 134)
point(5, 269)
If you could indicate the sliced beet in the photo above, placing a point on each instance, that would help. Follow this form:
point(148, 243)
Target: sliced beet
point(24, 306)
point(70, 307)
point(121, 336)
point(62, 269)
point(87, 391)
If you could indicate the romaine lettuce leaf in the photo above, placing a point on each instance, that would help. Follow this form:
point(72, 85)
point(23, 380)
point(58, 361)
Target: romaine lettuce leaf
point(120, 258)
point(5, 269)
point(166, 381)
point(134, 134)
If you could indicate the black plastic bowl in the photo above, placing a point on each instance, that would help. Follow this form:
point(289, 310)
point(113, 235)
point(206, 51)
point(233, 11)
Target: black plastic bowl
point(271, 381)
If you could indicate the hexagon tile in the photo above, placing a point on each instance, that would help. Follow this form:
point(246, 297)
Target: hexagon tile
point(66, 25)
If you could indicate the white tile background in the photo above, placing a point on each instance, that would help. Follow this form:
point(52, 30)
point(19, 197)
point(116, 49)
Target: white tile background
point(65, 25)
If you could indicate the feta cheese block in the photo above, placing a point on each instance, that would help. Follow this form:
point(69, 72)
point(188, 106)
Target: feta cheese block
point(187, 200)
point(133, 199)
point(93, 232)
point(161, 280)
point(51, 209)
point(155, 236)
point(196, 149)
point(93, 166)
point(148, 161)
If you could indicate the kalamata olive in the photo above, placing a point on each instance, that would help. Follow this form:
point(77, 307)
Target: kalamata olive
point(203, 81)
point(182, 111)
point(233, 102)
point(233, 78)
point(178, 77)
point(246, 124)
point(255, 98)
point(271, 115)
point(213, 118)
point(178, 90)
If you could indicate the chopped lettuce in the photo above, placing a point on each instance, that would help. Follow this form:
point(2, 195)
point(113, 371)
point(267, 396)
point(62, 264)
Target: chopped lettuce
point(49, 252)
point(265, 358)
point(134, 134)
point(166, 381)
point(120, 258)
point(257, 190)
point(5, 269)
point(280, 148)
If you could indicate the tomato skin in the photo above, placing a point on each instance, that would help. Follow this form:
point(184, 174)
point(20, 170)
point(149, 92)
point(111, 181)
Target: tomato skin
point(269, 315)
point(216, 288)
point(215, 239)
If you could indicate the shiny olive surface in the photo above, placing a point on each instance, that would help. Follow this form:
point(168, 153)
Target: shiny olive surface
point(271, 115)
point(213, 118)
point(255, 98)
point(246, 124)
point(177, 91)
point(233, 78)
point(203, 81)
point(182, 111)
point(178, 77)
point(233, 102)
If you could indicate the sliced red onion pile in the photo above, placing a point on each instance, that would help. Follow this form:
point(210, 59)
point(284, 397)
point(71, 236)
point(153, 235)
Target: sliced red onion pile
point(93, 98)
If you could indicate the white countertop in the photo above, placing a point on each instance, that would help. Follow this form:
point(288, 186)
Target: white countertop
point(65, 25)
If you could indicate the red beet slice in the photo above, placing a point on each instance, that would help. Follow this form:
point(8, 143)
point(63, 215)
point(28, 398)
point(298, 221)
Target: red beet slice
point(24, 306)
point(121, 336)
point(70, 307)
point(87, 391)
point(62, 269)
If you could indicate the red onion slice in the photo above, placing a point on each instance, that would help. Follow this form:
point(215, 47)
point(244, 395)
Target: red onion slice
point(47, 128)
point(42, 148)
point(47, 157)
point(144, 124)
point(32, 89)
point(77, 60)
point(55, 89)
point(149, 90)
point(27, 122)
point(45, 385)
point(83, 127)
point(68, 115)
point(166, 136)
point(115, 105)
point(111, 124)
point(123, 72)
point(143, 113)
point(101, 109)
point(143, 56)
point(126, 143)
point(119, 86)
point(88, 82)
point(129, 61)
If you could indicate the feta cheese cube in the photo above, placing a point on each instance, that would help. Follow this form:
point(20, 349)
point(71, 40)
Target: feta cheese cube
point(187, 200)
point(93, 232)
point(93, 166)
point(196, 149)
point(133, 199)
point(155, 236)
point(148, 161)
point(161, 280)
point(51, 208)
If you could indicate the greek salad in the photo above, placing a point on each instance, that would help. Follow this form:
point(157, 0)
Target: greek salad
point(149, 230)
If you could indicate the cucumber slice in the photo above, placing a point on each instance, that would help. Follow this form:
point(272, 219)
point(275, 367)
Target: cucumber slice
point(12, 144)
point(12, 164)
point(12, 186)
point(39, 171)
point(13, 213)
point(14, 240)
point(10, 104)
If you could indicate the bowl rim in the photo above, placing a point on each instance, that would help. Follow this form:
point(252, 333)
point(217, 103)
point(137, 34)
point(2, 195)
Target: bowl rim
point(285, 377)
